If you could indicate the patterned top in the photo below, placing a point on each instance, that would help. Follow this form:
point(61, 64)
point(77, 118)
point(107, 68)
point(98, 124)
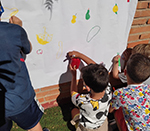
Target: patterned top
point(135, 102)
point(92, 112)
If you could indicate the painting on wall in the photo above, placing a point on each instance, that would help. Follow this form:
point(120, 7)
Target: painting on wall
point(98, 29)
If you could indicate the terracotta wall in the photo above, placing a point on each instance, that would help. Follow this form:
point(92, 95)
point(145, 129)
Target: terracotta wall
point(140, 30)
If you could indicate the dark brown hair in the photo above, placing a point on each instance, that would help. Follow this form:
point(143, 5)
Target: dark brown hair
point(95, 77)
point(138, 68)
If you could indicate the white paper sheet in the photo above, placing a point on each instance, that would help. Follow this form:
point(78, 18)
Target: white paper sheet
point(96, 28)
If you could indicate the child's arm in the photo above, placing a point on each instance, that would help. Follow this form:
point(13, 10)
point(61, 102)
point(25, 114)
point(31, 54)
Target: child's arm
point(115, 70)
point(77, 54)
point(111, 109)
point(15, 20)
point(73, 81)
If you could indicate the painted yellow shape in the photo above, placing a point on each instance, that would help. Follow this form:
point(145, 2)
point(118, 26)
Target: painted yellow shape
point(60, 50)
point(41, 41)
point(44, 38)
point(13, 11)
point(115, 8)
point(73, 19)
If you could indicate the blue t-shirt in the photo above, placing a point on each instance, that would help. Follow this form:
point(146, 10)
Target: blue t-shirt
point(14, 42)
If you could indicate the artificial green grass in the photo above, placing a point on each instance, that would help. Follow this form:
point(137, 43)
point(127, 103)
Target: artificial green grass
point(55, 119)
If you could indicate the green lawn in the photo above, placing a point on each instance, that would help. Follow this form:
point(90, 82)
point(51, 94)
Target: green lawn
point(55, 118)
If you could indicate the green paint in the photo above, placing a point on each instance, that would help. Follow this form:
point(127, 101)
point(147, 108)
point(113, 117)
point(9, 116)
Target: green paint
point(87, 16)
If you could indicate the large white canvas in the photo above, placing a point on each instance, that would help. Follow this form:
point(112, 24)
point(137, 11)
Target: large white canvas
point(53, 32)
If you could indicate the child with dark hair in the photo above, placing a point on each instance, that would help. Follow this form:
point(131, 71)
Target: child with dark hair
point(20, 104)
point(93, 107)
point(135, 98)
point(116, 74)
point(138, 68)
point(119, 80)
point(95, 76)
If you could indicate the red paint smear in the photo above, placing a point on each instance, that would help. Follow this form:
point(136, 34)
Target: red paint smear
point(21, 59)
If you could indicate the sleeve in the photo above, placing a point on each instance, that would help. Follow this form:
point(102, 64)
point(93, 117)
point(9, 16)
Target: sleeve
point(115, 102)
point(74, 98)
point(78, 99)
point(122, 77)
point(25, 42)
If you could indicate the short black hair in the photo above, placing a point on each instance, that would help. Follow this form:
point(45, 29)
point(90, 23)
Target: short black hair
point(138, 68)
point(95, 77)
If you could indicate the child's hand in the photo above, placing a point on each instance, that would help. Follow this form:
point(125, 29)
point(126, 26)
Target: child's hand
point(73, 70)
point(126, 54)
point(15, 20)
point(115, 59)
point(73, 54)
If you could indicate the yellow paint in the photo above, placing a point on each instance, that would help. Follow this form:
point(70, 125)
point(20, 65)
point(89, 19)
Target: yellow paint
point(41, 41)
point(115, 8)
point(73, 19)
point(13, 11)
point(45, 38)
point(60, 50)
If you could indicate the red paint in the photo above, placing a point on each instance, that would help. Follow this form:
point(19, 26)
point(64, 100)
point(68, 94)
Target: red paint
point(21, 59)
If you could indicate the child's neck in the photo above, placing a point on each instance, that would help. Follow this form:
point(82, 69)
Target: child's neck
point(97, 96)
point(131, 82)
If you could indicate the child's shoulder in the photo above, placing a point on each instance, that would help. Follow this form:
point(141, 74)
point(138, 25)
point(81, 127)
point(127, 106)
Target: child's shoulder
point(108, 89)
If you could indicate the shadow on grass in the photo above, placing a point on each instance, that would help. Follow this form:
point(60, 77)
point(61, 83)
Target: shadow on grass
point(66, 112)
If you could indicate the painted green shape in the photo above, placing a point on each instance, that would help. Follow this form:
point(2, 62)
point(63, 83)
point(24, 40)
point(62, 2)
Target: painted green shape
point(87, 16)
point(116, 12)
point(119, 64)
